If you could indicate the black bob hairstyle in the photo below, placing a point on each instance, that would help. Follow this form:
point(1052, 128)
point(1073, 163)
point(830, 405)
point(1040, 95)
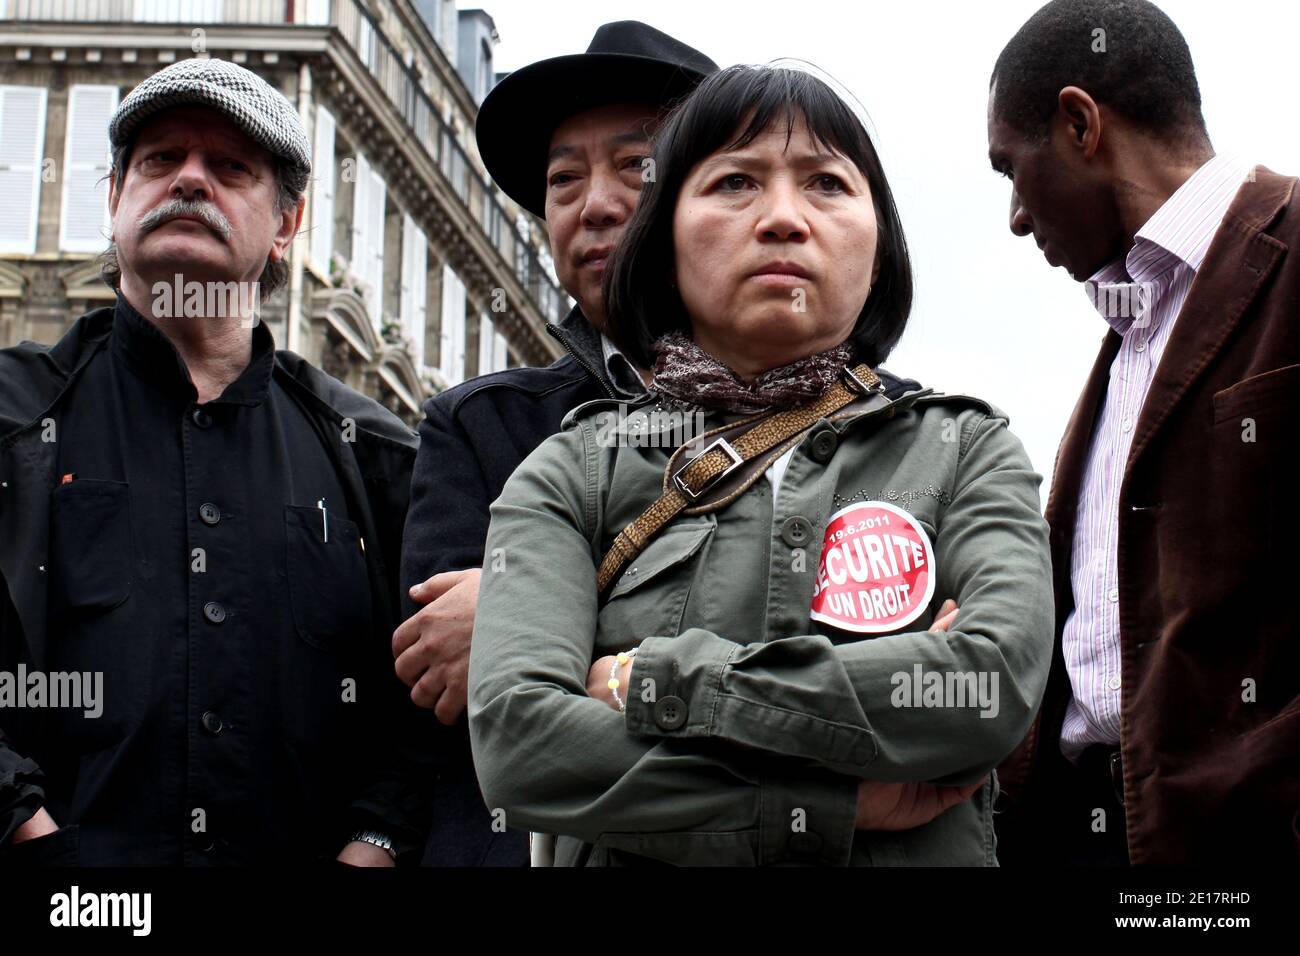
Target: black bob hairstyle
point(641, 303)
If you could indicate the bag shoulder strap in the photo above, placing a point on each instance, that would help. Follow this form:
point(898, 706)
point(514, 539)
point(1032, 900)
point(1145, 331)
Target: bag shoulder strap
point(734, 458)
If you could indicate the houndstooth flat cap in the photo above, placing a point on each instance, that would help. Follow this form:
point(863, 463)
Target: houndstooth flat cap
point(259, 109)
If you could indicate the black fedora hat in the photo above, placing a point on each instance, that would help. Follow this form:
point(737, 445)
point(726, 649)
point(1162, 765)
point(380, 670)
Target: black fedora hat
point(626, 62)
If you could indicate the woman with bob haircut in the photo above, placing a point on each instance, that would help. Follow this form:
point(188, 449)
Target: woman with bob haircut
point(731, 646)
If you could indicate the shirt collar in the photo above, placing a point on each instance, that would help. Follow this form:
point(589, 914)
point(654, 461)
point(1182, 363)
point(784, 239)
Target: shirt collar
point(1186, 222)
point(620, 370)
point(145, 348)
point(1178, 233)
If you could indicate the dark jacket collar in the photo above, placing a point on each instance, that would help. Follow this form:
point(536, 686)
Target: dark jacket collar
point(145, 349)
point(582, 342)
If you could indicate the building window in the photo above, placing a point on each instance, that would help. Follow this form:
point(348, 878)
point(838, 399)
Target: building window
point(84, 218)
point(322, 195)
point(452, 346)
point(22, 138)
point(179, 11)
point(318, 12)
point(415, 279)
point(368, 237)
point(492, 350)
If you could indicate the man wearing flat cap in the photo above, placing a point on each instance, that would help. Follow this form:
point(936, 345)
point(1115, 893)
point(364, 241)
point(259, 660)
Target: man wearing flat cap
point(567, 139)
point(199, 533)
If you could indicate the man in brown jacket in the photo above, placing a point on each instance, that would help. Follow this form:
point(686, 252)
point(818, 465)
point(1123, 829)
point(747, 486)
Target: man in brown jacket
point(1170, 729)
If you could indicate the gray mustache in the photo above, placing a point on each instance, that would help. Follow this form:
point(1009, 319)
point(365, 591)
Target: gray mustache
point(209, 214)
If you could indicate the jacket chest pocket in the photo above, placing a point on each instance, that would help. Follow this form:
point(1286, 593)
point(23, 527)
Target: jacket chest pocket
point(1270, 398)
point(91, 556)
point(650, 597)
point(329, 589)
point(1252, 459)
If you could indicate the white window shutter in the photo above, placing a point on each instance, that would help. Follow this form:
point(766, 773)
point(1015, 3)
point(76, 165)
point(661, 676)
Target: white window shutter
point(22, 137)
point(360, 216)
point(362, 222)
point(318, 12)
point(500, 352)
point(452, 351)
point(376, 234)
point(415, 266)
point(179, 11)
point(421, 294)
point(365, 40)
point(83, 218)
point(322, 194)
point(406, 277)
point(485, 332)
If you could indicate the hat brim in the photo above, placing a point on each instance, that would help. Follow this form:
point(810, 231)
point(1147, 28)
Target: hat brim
point(517, 118)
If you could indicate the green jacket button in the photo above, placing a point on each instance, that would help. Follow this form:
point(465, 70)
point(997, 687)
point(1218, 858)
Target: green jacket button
point(670, 712)
point(824, 444)
point(796, 531)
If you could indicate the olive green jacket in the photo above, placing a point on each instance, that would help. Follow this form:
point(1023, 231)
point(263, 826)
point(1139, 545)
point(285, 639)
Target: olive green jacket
point(748, 725)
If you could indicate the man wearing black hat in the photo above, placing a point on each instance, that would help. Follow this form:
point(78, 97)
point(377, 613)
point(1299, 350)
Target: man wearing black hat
point(198, 533)
point(567, 139)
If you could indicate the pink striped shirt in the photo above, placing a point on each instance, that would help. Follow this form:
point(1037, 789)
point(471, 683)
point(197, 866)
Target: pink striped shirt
point(1140, 296)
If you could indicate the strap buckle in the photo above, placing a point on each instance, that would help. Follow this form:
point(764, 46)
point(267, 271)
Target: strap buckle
point(858, 385)
point(724, 446)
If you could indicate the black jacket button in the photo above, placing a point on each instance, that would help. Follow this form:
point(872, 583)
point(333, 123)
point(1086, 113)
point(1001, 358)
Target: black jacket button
point(214, 612)
point(212, 723)
point(201, 418)
point(824, 443)
point(670, 712)
point(796, 531)
point(209, 513)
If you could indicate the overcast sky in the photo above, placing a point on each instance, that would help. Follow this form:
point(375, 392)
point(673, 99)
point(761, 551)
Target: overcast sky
point(991, 318)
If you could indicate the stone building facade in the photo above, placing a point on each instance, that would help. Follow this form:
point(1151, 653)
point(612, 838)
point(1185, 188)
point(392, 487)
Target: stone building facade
point(411, 273)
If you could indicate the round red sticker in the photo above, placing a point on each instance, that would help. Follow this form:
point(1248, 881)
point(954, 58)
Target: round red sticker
point(876, 572)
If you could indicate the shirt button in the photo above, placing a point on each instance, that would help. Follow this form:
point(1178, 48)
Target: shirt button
point(209, 513)
point(1113, 683)
point(1112, 595)
point(214, 612)
point(201, 418)
point(824, 444)
point(670, 712)
point(1140, 347)
point(796, 530)
point(212, 723)
point(1126, 427)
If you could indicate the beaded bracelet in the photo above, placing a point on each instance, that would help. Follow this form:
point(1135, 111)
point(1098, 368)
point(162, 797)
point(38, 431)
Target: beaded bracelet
point(620, 659)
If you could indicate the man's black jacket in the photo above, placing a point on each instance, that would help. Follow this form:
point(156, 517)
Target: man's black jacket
point(373, 463)
point(472, 439)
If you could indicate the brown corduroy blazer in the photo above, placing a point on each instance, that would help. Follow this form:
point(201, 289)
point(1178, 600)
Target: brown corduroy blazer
point(1209, 568)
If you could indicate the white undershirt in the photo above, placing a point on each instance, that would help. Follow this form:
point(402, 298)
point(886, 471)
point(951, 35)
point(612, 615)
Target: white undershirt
point(776, 471)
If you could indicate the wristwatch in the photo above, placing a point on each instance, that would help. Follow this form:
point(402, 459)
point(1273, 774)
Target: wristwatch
point(376, 838)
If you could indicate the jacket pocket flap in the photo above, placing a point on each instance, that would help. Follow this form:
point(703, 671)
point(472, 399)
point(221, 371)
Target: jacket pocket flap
point(674, 546)
point(1248, 397)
